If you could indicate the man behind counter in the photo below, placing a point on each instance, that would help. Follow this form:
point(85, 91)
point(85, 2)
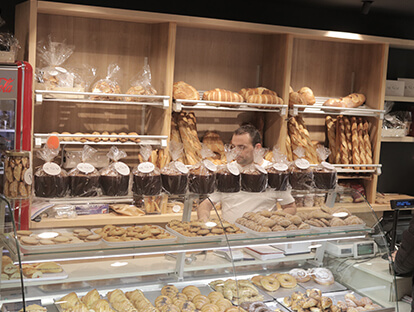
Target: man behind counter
point(246, 139)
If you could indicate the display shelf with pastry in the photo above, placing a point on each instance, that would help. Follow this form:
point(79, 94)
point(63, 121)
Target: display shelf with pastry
point(113, 98)
point(238, 291)
point(319, 107)
point(104, 138)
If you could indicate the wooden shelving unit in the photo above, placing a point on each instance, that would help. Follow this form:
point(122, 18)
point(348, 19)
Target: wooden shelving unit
point(207, 53)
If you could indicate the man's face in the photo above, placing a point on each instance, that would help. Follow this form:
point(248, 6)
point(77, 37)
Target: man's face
point(245, 148)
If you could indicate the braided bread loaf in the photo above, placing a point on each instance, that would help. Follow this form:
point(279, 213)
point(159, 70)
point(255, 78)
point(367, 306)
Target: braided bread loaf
point(348, 134)
point(356, 159)
point(367, 143)
point(362, 152)
point(331, 132)
point(341, 142)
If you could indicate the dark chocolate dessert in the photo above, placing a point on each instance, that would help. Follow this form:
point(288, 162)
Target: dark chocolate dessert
point(253, 181)
point(147, 184)
point(114, 185)
point(174, 183)
point(324, 179)
point(51, 186)
point(201, 181)
point(227, 182)
point(277, 180)
point(84, 185)
point(301, 179)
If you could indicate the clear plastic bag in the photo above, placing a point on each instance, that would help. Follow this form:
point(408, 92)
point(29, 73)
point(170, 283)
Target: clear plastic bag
point(108, 85)
point(254, 176)
point(50, 180)
point(300, 172)
point(83, 76)
point(228, 175)
point(141, 85)
point(277, 172)
point(174, 176)
point(53, 54)
point(324, 175)
point(147, 177)
point(9, 46)
point(84, 178)
point(114, 179)
point(201, 179)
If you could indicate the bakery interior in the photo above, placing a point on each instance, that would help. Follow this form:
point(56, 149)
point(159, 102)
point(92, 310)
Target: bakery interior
point(107, 221)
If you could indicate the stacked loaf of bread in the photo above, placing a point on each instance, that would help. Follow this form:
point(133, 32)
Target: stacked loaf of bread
point(299, 137)
point(352, 100)
point(304, 96)
point(349, 141)
point(260, 95)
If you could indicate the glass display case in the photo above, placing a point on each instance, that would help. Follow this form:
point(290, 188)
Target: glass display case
point(331, 254)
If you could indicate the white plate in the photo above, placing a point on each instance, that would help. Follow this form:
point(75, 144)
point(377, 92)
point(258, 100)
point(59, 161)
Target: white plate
point(45, 277)
point(275, 234)
point(141, 242)
point(206, 238)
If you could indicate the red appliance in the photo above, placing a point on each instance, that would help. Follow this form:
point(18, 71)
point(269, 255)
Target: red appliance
point(16, 83)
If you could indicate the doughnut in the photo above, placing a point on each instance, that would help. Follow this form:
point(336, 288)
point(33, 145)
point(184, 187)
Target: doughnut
point(300, 275)
point(270, 283)
point(256, 280)
point(274, 275)
point(322, 276)
point(286, 280)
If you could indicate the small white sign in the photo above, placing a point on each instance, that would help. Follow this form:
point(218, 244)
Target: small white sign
point(260, 169)
point(210, 165)
point(121, 168)
point(51, 168)
point(233, 168)
point(302, 163)
point(181, 167)
point(85, 167)
point(146, 167)
point(280, 167)
point(28, 177)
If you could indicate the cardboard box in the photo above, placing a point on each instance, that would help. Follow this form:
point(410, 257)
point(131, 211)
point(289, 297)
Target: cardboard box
point(394, 88)
point(408, 87)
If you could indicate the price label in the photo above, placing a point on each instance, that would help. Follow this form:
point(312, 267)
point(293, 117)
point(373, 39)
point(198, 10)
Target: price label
point(176, 208)
point(280, 167)
point(121, 168)
point(260, 169)
point(302, 163)
point(51, 168)
point(146, 167)
point(210, 165)
point(233, 168)
point(28, 177)
point(181, 167)
point(85, 167)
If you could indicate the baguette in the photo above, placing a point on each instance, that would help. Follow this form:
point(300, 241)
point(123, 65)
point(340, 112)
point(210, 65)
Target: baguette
point(289, 149)
point(310, 147)
point(356, 159)
point(330, 130)
point(362, 152)
point(367, 143)
point(342, 142)
point(348, 138)
point(188, 133)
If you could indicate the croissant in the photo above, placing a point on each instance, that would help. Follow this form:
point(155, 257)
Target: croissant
point(215, 296)
point(90, 298)
point(69, 301)
point(211, 307)
point(200, 300)
point(191, 291)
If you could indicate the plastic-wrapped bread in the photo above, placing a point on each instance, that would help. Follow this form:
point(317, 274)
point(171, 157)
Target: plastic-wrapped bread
point(356, 159)
point(330, 131)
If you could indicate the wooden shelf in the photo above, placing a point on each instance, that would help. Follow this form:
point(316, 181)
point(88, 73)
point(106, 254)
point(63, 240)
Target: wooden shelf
point(399, 98)
point(406, 139)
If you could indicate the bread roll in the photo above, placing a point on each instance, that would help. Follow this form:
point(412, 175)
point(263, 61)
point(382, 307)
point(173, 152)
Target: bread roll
point(264, 99)
point(222, 95)
point(352, 100)
point(246, 92)
point(184, 91)
point(49, 267)
point(307, 95)
point(296, 98)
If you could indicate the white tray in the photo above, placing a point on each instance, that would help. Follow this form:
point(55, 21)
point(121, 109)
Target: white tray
point(141, 242)
point(206, 238)
point(275, 234)
point(45, 277)
point(58, 246)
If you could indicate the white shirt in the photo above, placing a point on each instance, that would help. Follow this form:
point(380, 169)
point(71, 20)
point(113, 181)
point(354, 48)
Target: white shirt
point(234, 205)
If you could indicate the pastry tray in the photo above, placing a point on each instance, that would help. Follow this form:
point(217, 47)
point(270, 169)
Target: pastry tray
point(206, 238)
point(45, 277)
point(276, 305)
point(141, 242)
point(275, 234)
point(58, 246)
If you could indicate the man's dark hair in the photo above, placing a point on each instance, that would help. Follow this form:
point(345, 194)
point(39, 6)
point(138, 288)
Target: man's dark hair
point(252, 131)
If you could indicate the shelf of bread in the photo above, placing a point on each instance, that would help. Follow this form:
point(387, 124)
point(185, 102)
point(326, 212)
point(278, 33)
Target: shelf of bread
point(371, 168)
point(180, 105)
point(321, 109)
point(102, 139)
point(162, 101)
